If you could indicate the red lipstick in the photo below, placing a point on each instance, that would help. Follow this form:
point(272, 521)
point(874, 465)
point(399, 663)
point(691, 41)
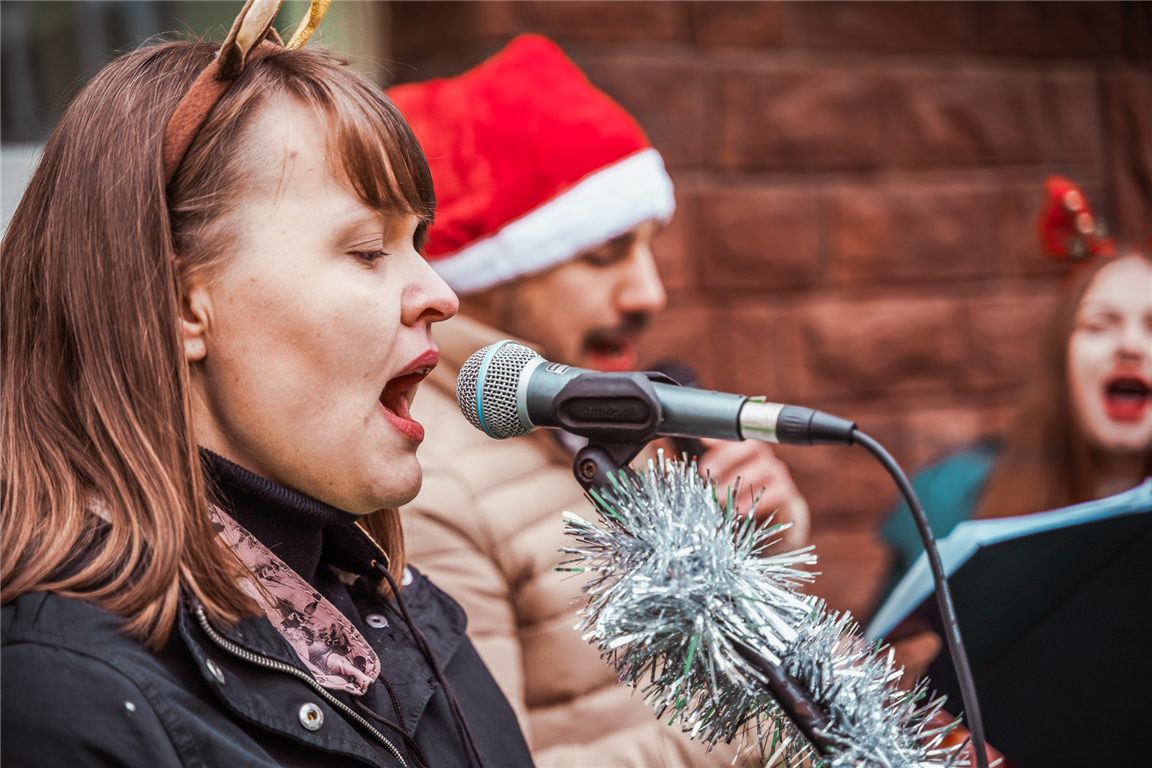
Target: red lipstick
point(1126, 398)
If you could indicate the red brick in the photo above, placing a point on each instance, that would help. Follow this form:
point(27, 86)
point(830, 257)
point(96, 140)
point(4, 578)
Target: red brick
point(852, 567)
point(764, 355)
point(1052, 28)
point(962, 117)
point(685, 334)
point(494, 19)
point(604, 20)
point(888, 27)
point(430, 27)
point(799, 118)
point(929, 434)
point(887, 348)
point(666, 96)
point(672, 248)
point(995, 420)
point(723, 23)
point(912, 232)
point(764, 239)
point(846, 488)
point(1138, 31)
point(1005, 336)
point(1128, 116)
point(1075, 116)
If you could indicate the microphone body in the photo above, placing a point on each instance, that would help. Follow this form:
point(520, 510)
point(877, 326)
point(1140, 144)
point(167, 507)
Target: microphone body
point(506, 390)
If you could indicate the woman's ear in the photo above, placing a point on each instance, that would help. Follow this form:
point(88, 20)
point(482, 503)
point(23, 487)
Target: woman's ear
point(195, 316)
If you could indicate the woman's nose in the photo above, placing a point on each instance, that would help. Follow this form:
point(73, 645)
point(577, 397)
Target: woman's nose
point(1136, 339)
point(427, 298)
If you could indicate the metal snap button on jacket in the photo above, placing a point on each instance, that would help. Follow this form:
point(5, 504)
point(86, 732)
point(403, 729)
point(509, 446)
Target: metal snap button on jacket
point(215, 670)
point(376, 621)
point(311, 716)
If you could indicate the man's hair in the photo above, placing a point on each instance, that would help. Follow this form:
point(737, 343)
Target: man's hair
point(103, 493)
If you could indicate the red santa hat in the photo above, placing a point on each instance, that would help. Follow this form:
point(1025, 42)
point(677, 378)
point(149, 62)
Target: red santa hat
point(532, 165)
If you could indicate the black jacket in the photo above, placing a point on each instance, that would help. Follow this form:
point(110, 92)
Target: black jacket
point(77, 691)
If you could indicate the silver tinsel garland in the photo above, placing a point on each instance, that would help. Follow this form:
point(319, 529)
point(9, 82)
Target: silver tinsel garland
point(677, 582)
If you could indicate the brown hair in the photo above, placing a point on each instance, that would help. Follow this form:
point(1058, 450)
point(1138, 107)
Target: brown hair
point(96, 404)
point(1046, 461)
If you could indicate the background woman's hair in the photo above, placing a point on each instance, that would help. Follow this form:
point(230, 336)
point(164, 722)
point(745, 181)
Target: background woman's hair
point(1046, 461)
point(103, 493)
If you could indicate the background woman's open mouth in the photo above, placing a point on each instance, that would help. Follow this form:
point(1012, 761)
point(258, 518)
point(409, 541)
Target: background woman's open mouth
point(1126, 398)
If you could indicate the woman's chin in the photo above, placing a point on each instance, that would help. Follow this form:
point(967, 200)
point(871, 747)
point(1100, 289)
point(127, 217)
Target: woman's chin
point(1124, 440)
point(402, 488)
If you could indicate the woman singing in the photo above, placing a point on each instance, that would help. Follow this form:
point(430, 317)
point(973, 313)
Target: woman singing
point(215, 318)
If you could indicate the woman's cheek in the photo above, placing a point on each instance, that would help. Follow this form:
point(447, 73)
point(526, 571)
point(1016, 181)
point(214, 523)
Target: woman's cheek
point(1087, 367)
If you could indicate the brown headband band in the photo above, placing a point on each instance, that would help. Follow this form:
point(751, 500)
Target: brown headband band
point(246, 43)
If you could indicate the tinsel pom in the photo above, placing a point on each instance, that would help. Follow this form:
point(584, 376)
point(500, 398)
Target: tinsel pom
point(677, 581)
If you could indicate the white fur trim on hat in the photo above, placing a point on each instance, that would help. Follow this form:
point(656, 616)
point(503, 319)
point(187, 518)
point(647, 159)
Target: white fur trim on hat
point(599, 207)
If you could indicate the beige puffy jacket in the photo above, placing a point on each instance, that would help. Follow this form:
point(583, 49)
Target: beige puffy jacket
point(486, 528)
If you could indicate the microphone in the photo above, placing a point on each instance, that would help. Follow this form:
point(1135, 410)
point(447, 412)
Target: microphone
point(507, 390)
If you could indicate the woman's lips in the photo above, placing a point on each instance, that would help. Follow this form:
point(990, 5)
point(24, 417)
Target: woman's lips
point(1126, 398)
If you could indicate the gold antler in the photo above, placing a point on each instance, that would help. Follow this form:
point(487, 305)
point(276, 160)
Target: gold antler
point(247, 31)
point(316, 11)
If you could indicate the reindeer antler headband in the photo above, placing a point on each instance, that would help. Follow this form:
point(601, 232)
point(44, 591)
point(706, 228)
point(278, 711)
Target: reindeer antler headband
point(250, 38)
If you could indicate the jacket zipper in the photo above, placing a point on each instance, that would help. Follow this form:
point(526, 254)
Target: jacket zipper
point(280, 666)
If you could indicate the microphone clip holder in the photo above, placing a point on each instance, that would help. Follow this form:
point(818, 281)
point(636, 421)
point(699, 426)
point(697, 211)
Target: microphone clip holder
point(597, 461)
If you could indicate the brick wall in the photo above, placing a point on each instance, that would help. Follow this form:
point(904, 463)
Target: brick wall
point(856, 185)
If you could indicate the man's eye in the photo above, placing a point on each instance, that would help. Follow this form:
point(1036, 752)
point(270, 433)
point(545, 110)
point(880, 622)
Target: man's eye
point(605, 258)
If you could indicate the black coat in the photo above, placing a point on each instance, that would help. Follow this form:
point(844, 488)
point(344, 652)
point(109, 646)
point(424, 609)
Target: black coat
point(76, 691)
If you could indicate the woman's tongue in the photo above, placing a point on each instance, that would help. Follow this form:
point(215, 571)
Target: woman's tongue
point(613, 354)
point(395, 402)
point(1126, 400)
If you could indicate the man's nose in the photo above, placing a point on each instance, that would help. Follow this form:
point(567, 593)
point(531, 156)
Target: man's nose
point(641, 289)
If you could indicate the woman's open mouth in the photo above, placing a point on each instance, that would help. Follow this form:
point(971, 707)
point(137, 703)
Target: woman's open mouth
point(396, 399)
point(1126, 398)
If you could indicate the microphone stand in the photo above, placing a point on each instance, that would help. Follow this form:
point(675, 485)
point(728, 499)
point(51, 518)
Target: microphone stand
point(592, 466)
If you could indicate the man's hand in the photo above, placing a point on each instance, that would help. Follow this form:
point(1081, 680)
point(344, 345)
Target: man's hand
point(758, 468)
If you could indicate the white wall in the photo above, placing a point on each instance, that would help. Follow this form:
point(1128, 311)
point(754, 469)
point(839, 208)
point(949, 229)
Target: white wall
point(16, 164)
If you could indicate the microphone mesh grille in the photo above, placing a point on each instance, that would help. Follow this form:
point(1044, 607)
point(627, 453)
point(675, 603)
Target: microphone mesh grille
point(498, 389)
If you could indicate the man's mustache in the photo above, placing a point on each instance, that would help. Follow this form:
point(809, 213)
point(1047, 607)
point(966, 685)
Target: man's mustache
point(631, 324)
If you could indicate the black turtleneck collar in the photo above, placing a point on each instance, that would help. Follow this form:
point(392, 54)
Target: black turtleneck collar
point(290, 524)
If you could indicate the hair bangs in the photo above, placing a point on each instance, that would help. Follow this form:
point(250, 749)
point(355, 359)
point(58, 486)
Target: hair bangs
point(371, 143)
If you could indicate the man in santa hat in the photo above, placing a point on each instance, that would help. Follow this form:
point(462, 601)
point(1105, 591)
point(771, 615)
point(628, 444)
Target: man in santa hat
point(549, 197)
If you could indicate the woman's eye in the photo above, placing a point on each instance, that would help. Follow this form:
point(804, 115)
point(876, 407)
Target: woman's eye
point(1098, 324)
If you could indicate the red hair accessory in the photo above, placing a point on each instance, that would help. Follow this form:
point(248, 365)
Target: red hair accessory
point(1067, 227)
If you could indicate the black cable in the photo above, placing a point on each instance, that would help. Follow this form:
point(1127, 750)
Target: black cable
point(943, 595)
point(463, 730)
